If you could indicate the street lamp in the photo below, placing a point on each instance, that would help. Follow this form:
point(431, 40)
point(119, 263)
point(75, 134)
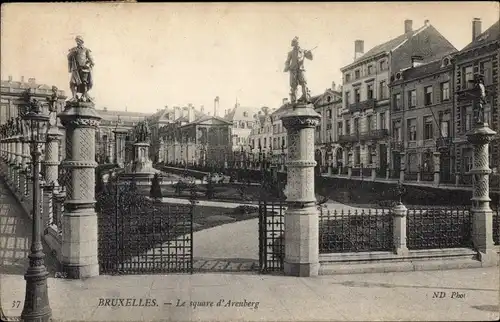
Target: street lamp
point(36, 303)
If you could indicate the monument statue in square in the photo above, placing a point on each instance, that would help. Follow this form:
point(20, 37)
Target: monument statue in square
point(80, 64)
point(295, 65)
point(480, 94)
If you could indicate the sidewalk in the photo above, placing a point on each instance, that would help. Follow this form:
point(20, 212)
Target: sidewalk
point(366, 297)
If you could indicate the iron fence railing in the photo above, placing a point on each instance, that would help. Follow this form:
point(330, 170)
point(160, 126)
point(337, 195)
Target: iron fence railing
point(356, 172)
point(271, 235)
point(496, 224)
point(439, 227)
point(411, 176)
point(366, 172)
point(357, 230)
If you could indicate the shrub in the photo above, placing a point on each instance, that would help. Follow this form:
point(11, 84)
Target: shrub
point(245, 209)
point(155, 191)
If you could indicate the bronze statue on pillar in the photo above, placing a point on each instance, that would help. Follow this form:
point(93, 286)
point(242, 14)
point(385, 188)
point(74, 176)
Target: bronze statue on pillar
point(80, 64)
point(480, 95)
point(295, 65)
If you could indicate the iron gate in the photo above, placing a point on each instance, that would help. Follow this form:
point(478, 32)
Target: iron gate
point(139, 236)
point(271, 224)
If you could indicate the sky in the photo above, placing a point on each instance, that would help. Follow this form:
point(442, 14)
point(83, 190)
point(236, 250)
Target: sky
point(150, 55)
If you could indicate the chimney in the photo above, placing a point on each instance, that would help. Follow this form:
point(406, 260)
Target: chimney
point(476, 28)
point(216, 105)
point(416, 61)
point(22, 79)
point(202, 108)
point(10, 78)
point(408, 26)
point(427, 22)
point(334, 86)
point(285, 100)
point(190, 113)
point(31, 81)
point(105, 109)
point(359, 48)
point(177, 112)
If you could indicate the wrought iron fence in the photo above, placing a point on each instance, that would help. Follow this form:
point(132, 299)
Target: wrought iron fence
point(139, 236)
point(427, 176)
point(356, 172)
point(410, 176)
point(271, 235)
point(496, 224)
point(439, 227)
point(357, 230)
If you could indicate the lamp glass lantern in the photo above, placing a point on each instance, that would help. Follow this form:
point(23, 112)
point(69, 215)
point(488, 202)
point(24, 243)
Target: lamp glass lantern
point(37, 125)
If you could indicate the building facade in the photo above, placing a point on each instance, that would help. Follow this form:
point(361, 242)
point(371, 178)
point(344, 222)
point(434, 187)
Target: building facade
point(481, 56)
point(365, 138)
point(243, 122)
point(422, 121)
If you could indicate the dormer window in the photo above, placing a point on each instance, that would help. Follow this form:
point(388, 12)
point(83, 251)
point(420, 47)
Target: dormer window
point(446, 62)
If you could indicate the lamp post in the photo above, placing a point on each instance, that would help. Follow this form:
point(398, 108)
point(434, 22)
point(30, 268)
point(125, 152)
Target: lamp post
point(36, 303)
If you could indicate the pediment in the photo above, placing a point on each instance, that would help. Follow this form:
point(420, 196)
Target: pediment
point(213, 121)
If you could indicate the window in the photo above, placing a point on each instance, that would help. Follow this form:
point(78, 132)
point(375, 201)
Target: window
point(275, 143)
point(468, 122)
point(347, 78)
point(283, 142)
point(428, 95)
point(445, 129)
point(265, 143)
point(329, 113)
point(369, 122)
point(357, 155)
point(357, 74)
point(412, 129)
point(396, 130)
point(382, 65)
point(348, 126)
point(485, 69)
point(356, 125)
point(329, 126)
point(369, 91)
point(468, 159)
point(275, 129)
point(357, 95)
point(412, 98)
point(383, 90)
point(383, 125)
point(245, 114)
point(370, 69)
point(468, 77)
point(428, 133)
point(340, 128)
point(397, 102)
point(347, 98)
point(445, 91)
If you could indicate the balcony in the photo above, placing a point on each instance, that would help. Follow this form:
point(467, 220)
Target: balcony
point(349, 138)
point(397, 146)
point(364, 105)
point(443, 143)
point(374, 135)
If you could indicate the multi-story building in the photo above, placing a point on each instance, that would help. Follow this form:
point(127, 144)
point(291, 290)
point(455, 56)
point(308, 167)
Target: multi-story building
point(261, 135)
point(192, 139)
point(164, 117)
point(105, 137)
point(243, 122)
point(481, 56)
point(422, 120)
point(327, 105)
point(366, 102)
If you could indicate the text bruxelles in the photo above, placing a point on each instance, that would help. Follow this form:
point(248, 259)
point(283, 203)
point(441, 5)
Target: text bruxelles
point(127, 302)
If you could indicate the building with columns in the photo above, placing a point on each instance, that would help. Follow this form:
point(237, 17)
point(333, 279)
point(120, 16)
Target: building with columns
point(481, 56)
point(105, 136)
point(422, 120)
point(196, 140)
point(365, 138)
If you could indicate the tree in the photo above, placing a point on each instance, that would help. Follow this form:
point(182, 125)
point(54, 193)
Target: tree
point(155, 191)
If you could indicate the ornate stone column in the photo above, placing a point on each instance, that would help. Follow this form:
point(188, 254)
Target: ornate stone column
point(302, 216)
point(120, 146)
point(482, 222)
point(437, 167)
point(79, 221)
point(402, 167)
point(19, 161)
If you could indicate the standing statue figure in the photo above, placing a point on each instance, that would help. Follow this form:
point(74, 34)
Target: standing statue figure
point(19, 126)
point(479, 99)
point(295, 65)
point(80, 64)
point(52, 99)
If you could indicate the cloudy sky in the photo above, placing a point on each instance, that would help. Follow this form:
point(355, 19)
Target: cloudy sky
point(151, 55)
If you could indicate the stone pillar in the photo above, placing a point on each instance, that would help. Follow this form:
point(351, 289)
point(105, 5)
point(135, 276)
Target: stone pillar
point(419, 175)
point(482, 222)
point(301, 217)
point(374, 173)
point(457, 179)
point(79, 221)
point(403, 166)
point(330, 166)
point(437, 167)
point(19, 161)
point(349, 170)
point(399, 213)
